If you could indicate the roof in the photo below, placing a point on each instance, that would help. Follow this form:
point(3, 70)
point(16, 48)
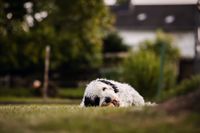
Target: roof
point(164, 2)
point(167, 17)
point(154, 2)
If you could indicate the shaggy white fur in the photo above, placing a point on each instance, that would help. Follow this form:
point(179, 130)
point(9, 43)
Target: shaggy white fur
point(102, 92)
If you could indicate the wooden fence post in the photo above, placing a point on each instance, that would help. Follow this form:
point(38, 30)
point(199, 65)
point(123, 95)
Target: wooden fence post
point(46, 72)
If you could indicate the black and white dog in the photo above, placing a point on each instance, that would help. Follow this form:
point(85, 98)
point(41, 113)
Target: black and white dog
point(103, 92)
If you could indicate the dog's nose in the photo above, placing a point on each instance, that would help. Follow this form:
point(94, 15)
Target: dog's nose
point(108, 99)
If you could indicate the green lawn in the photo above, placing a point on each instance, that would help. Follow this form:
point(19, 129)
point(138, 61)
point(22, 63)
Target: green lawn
point(67, 118)
point(70, 93)
point(37, 100)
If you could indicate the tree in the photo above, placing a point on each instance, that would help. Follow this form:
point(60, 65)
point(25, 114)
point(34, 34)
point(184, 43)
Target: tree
point(113, 43)
point(73, 29)
point(19, 49)
point(80, 25)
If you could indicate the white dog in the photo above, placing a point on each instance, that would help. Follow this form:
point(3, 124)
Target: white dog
point(103, 92)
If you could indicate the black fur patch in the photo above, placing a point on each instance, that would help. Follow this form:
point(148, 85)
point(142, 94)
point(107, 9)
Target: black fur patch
point(111, 84)
point(88, 101)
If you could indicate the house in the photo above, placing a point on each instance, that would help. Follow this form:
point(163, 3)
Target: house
point(138, 20)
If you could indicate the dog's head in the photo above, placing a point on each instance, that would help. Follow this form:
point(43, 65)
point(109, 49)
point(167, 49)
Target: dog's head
point(101, 93)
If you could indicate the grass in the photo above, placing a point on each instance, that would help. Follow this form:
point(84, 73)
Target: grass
point(16, 92)
point(71, 118)
point(70, 93)
point(37, 100)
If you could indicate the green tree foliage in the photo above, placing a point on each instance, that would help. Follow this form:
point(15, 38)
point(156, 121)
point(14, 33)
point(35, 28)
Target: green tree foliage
point(19, 48)
point(80, 27)
point(73, 29)
point(113, 43)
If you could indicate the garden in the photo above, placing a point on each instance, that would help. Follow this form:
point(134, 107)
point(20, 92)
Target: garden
point(84, 44)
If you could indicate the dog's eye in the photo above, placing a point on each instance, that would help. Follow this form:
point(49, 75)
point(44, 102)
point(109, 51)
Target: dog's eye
point(116, 90)
point(104, 88)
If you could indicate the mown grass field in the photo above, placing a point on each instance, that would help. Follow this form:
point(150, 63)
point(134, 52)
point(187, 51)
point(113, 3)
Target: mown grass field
point(71, 118)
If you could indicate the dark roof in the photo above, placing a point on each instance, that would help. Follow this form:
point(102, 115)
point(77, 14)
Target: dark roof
point(180, 17)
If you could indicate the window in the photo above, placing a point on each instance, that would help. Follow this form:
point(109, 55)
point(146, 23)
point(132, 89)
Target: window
point(169, 19)
point(142, 16)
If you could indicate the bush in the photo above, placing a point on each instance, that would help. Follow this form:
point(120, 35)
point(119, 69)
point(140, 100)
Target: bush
point(186, 86)
point(113, 43)
point(141, 70)
point(162, 39)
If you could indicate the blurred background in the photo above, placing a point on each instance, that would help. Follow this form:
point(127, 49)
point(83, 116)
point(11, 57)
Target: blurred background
point(54, 48)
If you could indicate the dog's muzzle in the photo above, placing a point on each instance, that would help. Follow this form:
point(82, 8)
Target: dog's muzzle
point(110, 102)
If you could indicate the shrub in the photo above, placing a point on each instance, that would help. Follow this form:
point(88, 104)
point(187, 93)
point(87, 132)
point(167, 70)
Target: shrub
point(172, 53)
point(186, 86)
point(141, 70)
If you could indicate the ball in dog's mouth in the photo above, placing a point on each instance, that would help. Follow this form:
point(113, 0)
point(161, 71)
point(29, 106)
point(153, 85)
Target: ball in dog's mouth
point(113, 103)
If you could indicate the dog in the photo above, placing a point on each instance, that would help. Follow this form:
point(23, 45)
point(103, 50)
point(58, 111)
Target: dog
point(104, 92)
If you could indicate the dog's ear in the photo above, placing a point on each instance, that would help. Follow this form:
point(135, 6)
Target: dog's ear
point(111, 84)
point(96, 101)
point(88, 101)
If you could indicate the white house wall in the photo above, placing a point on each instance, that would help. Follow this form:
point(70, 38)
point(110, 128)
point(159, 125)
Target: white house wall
point(185, 41)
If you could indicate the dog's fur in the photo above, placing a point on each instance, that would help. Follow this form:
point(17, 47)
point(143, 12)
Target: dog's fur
point(103, 92)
